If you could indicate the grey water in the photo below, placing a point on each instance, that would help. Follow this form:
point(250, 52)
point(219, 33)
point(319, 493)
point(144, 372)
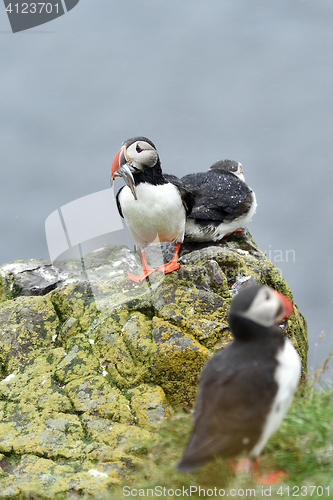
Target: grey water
point(250, 81)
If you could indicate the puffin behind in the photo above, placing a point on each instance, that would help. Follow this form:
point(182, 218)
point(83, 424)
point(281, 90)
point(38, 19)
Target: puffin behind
point(246, 389)
point(154, 208)
point(224, 203)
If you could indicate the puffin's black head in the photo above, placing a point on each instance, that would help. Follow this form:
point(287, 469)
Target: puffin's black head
point(229, 166)
point(137, 156)
point(259, 305)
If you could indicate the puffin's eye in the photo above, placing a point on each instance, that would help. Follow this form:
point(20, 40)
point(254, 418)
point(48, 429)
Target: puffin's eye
point(267, 296)
point(138, 149)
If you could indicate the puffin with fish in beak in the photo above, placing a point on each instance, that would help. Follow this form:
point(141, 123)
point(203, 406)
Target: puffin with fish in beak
point(154, 209)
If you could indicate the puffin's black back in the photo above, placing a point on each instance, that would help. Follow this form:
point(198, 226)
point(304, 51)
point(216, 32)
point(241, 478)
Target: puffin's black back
point(219, 195)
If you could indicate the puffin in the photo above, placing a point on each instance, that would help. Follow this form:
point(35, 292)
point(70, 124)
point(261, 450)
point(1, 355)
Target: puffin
point(246, 389)
point(154, 209)
point(223, 204)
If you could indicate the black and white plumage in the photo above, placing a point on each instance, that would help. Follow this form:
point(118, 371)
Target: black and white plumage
point(223, 202)
point(246, 389)
point(153, 208)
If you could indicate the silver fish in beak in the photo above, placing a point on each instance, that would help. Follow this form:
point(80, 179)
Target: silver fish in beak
point(124, 169)
point(126, 173)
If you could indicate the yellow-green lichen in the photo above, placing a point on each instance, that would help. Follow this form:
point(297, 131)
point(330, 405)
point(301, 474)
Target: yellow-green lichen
point(114, 354)
point(79, 361)
point(178, 360)
point(93, 395)
point(49, 480)
point(199, 312)
point(121, 437)
point(150, 406)
point(137, 335)
point(24, 429)
point(28, 327)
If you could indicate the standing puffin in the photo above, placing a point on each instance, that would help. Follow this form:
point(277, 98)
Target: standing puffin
point(154, 208)
point(246, 389)
point(223, 202)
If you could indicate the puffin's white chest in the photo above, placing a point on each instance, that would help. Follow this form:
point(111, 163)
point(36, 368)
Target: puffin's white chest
point(157, 214)
point(287, 377)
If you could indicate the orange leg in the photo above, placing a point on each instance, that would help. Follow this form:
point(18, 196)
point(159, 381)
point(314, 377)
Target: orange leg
point(239, 230)
point(274, 477)
point(246, 465)
point(173, 265)
point(146, 270)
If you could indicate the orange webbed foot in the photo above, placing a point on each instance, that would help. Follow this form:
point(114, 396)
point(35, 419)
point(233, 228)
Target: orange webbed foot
point(272, 477)
point(173, 264)
point(169, 267)
point(247, 466)
point(239, 230)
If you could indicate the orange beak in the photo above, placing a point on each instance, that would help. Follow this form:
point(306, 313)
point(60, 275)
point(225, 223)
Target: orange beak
point(287, 307)
point(120, 168)
point(116, 164)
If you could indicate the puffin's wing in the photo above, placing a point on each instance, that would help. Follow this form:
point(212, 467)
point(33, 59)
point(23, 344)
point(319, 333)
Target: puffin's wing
point(186, 195)
point(229, 414)
point(118, 202)
point(219, 195)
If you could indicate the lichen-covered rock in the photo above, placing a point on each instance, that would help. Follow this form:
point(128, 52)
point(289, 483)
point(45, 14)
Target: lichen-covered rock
point(121, 437)
point(150, 405)
point(25, 429)
point(93, 395)
point(178, 360)
point(35, 384)
point(28, 327)
point(79, 360)
point(49, 479)
point(91, 363)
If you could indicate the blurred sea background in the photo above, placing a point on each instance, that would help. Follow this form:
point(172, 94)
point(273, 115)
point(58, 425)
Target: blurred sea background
point(249, 81)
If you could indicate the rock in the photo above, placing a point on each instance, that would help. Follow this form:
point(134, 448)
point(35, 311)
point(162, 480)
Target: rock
point(150, 406)
point(92, 363)
point(93, 395)
point(33, 474)
point(29, 327)
point(178, 360)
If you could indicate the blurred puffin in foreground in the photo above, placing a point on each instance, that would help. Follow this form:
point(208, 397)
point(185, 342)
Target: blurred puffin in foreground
point(154, 208)
point(223, 202)
point(245, 390)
